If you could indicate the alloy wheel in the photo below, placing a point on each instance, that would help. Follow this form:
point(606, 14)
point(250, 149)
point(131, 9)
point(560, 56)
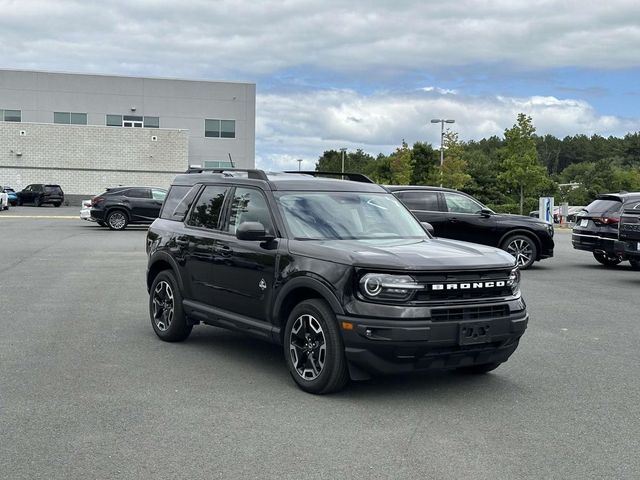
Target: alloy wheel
point(163, 306)
point(117, 220)
point(307, 347)
point(521, 250)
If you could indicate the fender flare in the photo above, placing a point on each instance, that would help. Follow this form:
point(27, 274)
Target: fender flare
point(311, 283)
point(164, 257)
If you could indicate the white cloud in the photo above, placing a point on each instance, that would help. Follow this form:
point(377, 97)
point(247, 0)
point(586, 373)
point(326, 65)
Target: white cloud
point(217, 39)
point(303, 125)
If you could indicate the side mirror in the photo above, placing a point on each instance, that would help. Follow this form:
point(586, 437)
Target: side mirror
point(252, 231)
point(485, 212)
point(429, 228)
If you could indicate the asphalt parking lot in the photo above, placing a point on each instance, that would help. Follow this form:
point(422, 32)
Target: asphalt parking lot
point(88, 391)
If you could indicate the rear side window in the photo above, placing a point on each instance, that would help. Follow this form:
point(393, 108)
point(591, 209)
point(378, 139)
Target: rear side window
point(52, 189)
point(138, 193)
point(206, 211)
point(178, 201)
point(420, 200)
point(601, 206)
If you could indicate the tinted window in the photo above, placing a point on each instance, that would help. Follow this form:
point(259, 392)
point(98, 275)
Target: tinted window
point(206, 212)
point(249, 205)
point(137, 193)
point(178, 202)
point(52, 189)
point(420, 200)
point(347, 215)
point(601, 206)
point(461, 204)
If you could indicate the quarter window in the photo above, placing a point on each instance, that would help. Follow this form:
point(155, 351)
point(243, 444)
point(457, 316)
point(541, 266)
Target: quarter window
point(178, 202)
point(248, 205)
point(457, 203)
point(206, 212)
point(137, 193)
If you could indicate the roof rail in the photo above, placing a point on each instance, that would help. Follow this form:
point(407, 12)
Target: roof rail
point(251, 172)
point(354, 177)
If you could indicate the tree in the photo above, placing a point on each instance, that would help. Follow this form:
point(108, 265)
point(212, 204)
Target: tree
point(424, 162)
point(521, 169)
point(394, 169)
point(454, 167)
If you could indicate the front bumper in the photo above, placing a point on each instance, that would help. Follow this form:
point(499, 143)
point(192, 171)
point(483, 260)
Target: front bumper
point(382, 347)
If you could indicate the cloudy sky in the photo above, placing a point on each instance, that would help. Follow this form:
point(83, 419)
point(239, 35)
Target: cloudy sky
point(359, 74)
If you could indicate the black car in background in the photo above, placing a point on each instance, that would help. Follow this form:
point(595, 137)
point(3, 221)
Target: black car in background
point(596, 228)
point(39, 194)
point(454, 214)
point(120, 206)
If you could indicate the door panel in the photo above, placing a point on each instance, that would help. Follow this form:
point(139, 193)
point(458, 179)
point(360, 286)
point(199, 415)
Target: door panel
point(464, 221)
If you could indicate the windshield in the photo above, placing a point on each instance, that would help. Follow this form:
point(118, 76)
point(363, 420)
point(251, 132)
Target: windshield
point(347, 216)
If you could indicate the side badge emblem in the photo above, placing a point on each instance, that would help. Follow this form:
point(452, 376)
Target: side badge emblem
point(262, 284)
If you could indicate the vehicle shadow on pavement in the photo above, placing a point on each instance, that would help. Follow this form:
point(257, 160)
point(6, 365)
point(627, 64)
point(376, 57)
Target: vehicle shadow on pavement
point(249, 355)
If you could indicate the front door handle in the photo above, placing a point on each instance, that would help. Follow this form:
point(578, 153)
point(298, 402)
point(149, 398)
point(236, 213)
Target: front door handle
point(453, 220)
point(225, 250)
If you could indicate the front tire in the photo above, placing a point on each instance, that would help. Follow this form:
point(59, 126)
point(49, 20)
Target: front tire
point(57, 204)
point(165, 309)
point(606, 259)
point(117, 220)
point(522, 248)
point(313, 348)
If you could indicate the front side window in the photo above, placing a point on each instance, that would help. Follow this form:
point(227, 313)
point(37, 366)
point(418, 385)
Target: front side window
point(457, 203)
point(347, 216)
point(158, 194)
point(206, 212)
point(249, 205)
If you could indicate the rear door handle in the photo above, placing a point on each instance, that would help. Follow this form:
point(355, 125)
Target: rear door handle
point(225, 250)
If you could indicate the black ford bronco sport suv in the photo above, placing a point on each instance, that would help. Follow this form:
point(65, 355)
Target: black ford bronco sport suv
point(628, 244)
point(338, 272)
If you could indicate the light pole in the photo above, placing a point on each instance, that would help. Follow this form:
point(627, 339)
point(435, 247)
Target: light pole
point(441, 121)
point(299, 164)
point(343, 150)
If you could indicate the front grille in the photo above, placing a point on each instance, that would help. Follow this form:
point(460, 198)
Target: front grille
point(469, 313)
point(468, 285)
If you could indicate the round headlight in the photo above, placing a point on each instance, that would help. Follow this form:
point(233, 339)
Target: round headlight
point(372, 285)
point(384, 286)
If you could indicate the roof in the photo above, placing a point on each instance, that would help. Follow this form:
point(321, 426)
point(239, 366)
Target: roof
point(277, 181)
point(396, 188)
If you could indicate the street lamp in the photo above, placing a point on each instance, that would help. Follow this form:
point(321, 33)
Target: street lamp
point(299, 164)
point(343, 150)
point(441, 121)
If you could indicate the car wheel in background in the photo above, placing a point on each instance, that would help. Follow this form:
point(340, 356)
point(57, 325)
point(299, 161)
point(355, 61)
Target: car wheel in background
point(635, 264)
point(522, 248)
point(38, 202)
point(117, 220)
point(313, 348)
point(608, 260)
point(165, 309)
point(57, 204)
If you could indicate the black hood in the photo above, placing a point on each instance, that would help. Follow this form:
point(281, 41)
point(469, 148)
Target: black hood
point(412, 254)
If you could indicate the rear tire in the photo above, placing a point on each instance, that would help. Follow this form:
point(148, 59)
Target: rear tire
point(165, 309)
point(635, 264)
point(479, 369)
point(523, 248)
point(57, 204)
point(117, 220)
point(38, 202)
point(313, 348)
point(606, 259)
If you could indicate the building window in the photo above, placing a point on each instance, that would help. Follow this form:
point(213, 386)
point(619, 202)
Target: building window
point(152, 122)
point(132, 121)
point(11, 115)
point(216, 164)
point(220, 128)
point(114, 120)
point(70, 118)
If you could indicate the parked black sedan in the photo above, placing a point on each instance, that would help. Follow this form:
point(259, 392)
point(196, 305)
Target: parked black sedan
point(459, 216)
point(120, 206)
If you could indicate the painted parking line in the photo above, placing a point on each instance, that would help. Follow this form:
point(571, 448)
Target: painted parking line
point(64, 217)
